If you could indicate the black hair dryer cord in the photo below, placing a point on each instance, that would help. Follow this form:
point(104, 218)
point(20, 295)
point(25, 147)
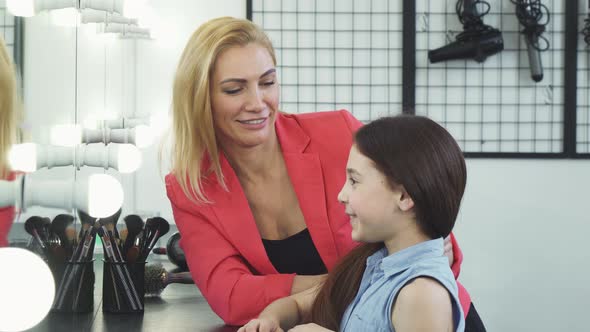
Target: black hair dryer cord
point(533, 16)
point(586, 29)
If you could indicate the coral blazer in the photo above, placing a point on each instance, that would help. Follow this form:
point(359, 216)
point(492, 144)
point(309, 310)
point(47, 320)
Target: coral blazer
point(6, 217)
point(221, 242)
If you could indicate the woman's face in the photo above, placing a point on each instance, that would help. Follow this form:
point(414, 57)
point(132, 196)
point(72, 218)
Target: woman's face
point(368, 199)
point(244, 96)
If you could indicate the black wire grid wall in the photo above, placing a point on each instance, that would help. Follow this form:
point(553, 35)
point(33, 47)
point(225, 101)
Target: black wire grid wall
point(349, 54)
point(335, 54)
point(583, 81)
point(11, 31)
point(7, 24)
point(494, 106)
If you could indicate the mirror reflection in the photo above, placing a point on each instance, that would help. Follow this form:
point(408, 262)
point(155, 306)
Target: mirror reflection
point(89, 107)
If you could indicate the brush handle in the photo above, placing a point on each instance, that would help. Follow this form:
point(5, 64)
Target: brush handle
point(115, 291)
point(129, 241)
point(115, 246)
point(78, 249)
point(127, 282)
point(121, 270)
point(179, 278)
point(39, 240)
point(125, 269)
point(60, 294)
point(152, 239)
point(72, 270)
point(87, 244)
point(132, 255)
point(79, 290)
point(63, 239)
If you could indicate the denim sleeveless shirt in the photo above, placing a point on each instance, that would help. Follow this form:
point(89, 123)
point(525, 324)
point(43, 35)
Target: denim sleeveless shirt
point(385, 275)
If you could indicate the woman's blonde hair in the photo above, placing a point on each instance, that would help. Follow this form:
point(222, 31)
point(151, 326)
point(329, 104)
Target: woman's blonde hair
point(193, 130)
point(9, 108)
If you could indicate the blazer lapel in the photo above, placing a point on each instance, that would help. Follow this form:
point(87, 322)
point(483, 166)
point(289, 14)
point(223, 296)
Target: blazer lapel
point(234, 215)
point(306, 175)
point(305, 172)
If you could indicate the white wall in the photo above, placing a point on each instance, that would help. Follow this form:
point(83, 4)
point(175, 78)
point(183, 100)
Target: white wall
point(523, 228)
point(156, 65)
point(523, 224)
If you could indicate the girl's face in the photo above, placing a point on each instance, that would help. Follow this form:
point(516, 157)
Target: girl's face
point(244, 96)
point(369, 200)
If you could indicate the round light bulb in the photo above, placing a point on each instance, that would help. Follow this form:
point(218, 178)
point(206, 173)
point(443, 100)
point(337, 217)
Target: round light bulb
point(66, 135)
point(129, 158)
point(143, 136)
point(23, 157)
point(105, 195)
point(24, 8)
point(27, 289)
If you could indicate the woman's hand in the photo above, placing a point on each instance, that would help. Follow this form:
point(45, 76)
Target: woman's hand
point(261, 325)
point(449, 250)
point(311, 327)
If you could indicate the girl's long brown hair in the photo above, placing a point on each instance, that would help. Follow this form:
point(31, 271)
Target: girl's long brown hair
point(420, 155)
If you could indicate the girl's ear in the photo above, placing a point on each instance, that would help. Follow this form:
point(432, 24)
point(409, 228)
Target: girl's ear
point(406, 203)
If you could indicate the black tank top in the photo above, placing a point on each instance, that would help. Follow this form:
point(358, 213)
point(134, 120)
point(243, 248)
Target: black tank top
point(295, 254)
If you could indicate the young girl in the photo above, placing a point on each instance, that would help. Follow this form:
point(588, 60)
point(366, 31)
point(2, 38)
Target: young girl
point(405, 179)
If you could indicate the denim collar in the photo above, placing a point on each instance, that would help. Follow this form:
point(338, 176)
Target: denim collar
point(401, 260)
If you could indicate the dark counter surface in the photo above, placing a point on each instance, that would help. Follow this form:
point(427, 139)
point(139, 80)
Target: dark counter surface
point(178, 308)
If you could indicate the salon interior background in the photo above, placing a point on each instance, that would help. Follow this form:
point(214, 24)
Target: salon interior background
point(522, 225)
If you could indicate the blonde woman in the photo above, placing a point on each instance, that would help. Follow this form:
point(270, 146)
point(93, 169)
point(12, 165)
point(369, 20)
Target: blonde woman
point(8, 119)
point(254, 190)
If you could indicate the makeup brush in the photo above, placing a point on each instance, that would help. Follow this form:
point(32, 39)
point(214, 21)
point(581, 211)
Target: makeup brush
point(133, 253)
point(130, 256)
point(121, 271)
point(32, 227)
point(87, 222)
point(58, 227)
point(85, 256)
point(157, 278)
point(71, 236)
point(156, 226)
point(59, 224)
point(134, 225)
point(43, 227)
point(85, 219)
point(123, 236)
point(113, 219)
point(81, 254)
point(110, 233)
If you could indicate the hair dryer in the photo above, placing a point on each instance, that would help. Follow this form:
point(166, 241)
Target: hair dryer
point(586, 29)
point(477, 41)
point(529, 14)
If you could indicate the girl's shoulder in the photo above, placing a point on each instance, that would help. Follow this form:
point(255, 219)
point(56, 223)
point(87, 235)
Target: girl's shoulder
point(423, 302)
